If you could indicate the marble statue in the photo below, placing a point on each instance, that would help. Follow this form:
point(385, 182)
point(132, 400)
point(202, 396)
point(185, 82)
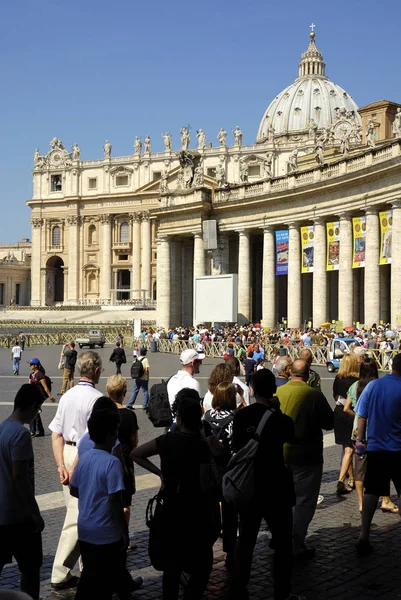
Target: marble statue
point(200, 134)
point(185, 138)
point(397, 123)
point(293, 161)
point(107, 149)
point(163, 187)
point(243, 171)
point(137, 145)
point(237, 136)
point(319, 150)
point(220, 175)
point(147, 144)
point(199, 176)
point(356, 131)
point(267, 166)
point(344, 145)
point(222, 137)
point(56, 143)
point(270, 133)
point(37, 158)
point(187, 169)
point(76, 152)
point(370, 132)
point(312, 129)
point(168, 142)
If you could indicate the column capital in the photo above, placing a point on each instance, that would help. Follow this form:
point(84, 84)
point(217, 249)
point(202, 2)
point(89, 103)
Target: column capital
point(345, 216)
point(243, 232)
point(396, 203)
point(145, 216)
point(268, 229)
point(292, 225)
point(371, 211)
point(198, 234)
point(319, 220)
point(104, 219)
point(135, 217)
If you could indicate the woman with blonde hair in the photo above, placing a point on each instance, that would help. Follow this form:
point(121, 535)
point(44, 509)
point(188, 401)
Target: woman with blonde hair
point(128, 437)
point(348, 374)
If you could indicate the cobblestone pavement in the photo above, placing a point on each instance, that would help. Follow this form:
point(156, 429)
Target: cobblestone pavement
point(336, 571)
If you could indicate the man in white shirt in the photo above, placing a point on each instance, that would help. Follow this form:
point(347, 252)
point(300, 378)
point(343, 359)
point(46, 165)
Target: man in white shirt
point(191, 361)
point(67, 427)
point(16, 352)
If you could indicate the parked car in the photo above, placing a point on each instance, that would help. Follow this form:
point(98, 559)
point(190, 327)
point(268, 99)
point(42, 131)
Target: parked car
point(336, 349)
point(95, 338)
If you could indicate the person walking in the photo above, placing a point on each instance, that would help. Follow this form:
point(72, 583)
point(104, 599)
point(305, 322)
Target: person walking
point(379, 409)
point(21, 339)
point(69, 354)
point(38, 375)
point(67, 427)
point(269, 467)
point(16, 352)
point(310, 413)
point(21, 523)
point(142, 380)
point(118, 357)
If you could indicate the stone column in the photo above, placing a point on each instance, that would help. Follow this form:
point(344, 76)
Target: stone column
point(268, 279)
point(136, 256)
point(396, 266)
point(345, 274)
point(294, 293)
point(319, 301)
point(163, 279)
point(372, 268)
point(105, 236)
point(244, 277)
point(36, 291)
point(199, 256)
point(146, 258)
point(73, 258)
point(176, 282)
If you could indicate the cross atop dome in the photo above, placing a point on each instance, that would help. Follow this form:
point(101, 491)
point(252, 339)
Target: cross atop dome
point(312, 60)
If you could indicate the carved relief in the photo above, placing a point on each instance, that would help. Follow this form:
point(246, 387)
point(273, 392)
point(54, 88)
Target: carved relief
point(36, 223)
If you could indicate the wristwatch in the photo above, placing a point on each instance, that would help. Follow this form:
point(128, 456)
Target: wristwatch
point(359, 439)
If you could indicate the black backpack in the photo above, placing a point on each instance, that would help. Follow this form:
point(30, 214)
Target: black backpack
point(137, 369)
point(159, 411)
point(48, 383)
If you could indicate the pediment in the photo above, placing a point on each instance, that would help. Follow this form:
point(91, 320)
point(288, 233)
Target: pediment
point(121, 170)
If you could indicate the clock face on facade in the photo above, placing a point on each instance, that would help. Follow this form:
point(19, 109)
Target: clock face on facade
point(56, 158)
point(342, 130)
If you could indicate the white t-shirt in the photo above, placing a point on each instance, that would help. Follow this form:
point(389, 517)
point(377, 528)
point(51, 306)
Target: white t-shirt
point(207, 401)
point(74, 410)
point(16, 352)
point(97, 475)
point(15, 445)
point(180, 381)
point(237, 381)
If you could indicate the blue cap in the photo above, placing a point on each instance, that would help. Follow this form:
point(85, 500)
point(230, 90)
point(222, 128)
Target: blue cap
point(34, 361)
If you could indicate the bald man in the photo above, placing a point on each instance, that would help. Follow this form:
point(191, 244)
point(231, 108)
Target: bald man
point(310, 413)
point(314, 378)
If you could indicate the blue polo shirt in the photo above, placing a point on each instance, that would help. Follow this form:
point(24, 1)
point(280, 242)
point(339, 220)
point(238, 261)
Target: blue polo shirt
point(380, 403)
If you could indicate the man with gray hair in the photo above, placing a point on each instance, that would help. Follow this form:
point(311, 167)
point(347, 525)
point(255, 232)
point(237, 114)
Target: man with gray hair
point(283, 369)
point(67, 427)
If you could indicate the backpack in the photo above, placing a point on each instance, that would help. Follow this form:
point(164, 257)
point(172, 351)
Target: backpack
point(137, 369)
point(159, 410)
point(238, 485)
point(48, 383)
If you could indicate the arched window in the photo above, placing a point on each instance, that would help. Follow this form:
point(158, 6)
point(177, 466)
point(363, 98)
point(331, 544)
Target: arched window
point(56, 236)
point(92, 235)
point(124, 232)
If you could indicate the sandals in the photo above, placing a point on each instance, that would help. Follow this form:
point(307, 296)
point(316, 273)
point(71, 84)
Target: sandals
point(393, 509)
point(342, 489)
point(351, 483)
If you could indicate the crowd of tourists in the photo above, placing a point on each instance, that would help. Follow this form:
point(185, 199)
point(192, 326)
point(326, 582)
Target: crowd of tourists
point(277, 417)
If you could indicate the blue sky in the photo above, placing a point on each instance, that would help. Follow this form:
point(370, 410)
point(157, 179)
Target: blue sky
point(88, 70)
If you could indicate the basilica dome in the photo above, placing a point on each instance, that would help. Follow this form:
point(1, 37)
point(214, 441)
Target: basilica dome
point(312, 98)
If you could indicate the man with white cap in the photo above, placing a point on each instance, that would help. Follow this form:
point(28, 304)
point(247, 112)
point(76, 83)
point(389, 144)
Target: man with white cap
point(190, 360)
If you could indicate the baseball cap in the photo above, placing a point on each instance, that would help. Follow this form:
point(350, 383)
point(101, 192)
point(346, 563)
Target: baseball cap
point(359, 351)
point(33, 361)
point(188, 356)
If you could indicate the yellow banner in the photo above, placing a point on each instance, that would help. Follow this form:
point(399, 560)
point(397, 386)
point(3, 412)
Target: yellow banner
point(333, 246)
point(358, 251)
point(308, 247)
point(386, 230)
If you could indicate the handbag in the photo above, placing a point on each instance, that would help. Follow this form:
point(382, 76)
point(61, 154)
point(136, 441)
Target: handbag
point(155, 521)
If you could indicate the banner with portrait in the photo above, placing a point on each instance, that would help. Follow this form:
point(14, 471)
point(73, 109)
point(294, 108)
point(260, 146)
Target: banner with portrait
point(386, 231)
point(308, 248)
point(359, 246)
point(282, 252)
point(333, 246)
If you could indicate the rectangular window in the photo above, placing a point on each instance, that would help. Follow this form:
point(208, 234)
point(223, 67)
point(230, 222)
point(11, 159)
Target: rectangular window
point(92, 183)
point(1, 293)
point(18, 293)
point(123, 257)
point(254, 171)
point(56, 183)
point(156, 175)
point(121, 180)
point(211, 172)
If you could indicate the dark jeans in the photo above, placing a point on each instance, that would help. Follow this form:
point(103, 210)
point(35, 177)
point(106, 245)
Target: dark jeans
point(104, 572)
point(279, 519)
point(36, 426)
point(199, 576)
point(26, 547)
point(118, 368)
point(144, 384)
point(230, 526)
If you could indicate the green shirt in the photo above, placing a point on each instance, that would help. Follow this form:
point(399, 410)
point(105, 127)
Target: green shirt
point(310, 412)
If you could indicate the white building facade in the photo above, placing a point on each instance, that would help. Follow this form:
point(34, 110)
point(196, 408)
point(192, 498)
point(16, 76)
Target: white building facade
point(305, 216)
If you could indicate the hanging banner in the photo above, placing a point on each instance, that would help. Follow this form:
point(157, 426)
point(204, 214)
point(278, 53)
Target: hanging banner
point(308, 248)
point(359, 248)
point(333, 246)
point(282, 252)
point(386, 231)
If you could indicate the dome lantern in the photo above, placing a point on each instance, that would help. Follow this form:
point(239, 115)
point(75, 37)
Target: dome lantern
point(312, 60)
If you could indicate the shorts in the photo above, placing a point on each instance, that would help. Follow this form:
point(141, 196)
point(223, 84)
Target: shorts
point(360, 467)
point(381, 468)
